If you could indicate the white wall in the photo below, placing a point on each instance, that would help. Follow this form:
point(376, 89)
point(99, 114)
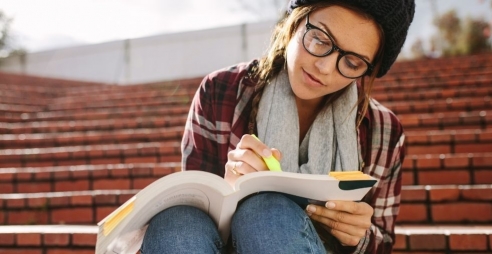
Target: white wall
point(149, 59)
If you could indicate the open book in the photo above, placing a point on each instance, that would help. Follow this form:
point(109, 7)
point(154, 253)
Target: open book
point(123, 230)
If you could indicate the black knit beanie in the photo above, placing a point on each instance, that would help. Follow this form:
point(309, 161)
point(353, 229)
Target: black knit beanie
point(394, 16)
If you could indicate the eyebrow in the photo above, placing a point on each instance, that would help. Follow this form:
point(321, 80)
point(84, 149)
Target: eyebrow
point(327, 30)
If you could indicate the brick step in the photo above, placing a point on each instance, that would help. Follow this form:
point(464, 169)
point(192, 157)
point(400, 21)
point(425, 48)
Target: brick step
point(98, 124)
point(438, 204)
point(438, 169)
point(442, 64)
point(121, 136)
point(433, 94)
point(125, 96)
point(437, 106)
point(19, 109)
point(418, 142)
point(23, 91)
point(437, 66)
point(81, 239)
point(447, 121)
point(448, 136)
point(83, 177)
point(462, 74)
point(91, 155)
point(48, 239)
point(95, 114)
point(184, 84)
point(20, 81)
point(88, 105)
point(448, 141)
point(443, 239)
point(415, 85)
point(411, 69)
point(14, 99)
point(130, 104)
point(79, 207)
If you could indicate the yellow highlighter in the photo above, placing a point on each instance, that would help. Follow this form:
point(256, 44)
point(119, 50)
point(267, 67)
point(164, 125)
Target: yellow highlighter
point(271, 162)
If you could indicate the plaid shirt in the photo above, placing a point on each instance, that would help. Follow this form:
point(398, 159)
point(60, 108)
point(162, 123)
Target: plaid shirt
point(219, 116)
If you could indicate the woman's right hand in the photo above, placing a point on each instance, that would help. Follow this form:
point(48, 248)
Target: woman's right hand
point(247, 158)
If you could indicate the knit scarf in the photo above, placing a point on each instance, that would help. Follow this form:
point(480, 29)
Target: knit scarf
point(329, 145)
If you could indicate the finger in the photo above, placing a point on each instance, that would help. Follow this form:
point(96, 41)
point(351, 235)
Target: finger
point(229, 175)
point(231, 169)
point(249, 157)
point(349, 229)
point(344, 238)
point(244, 168)
point(352, 207)
point(249, 142)
point(277, 154)
point(326, 216)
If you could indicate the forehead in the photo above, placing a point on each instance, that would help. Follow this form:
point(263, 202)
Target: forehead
point(352, 31)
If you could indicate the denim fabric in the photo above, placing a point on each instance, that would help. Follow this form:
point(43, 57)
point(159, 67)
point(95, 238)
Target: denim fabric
point(272, 223)
point(182, 229)
point(263, 223)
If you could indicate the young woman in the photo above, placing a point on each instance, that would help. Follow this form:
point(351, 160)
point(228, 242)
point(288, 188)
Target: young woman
point(309, 101)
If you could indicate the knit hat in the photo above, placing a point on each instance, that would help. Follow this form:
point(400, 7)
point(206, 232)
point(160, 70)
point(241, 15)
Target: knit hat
point(394, 16)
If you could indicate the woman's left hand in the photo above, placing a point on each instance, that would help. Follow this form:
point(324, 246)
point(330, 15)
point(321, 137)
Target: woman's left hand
point(348, 221)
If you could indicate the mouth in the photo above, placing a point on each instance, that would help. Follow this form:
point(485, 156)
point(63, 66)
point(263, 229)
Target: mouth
point(312, 78)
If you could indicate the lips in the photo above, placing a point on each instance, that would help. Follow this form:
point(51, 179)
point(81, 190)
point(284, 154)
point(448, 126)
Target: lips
point(311, 79)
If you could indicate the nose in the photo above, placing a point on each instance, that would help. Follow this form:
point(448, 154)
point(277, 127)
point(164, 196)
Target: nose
point(327, 64)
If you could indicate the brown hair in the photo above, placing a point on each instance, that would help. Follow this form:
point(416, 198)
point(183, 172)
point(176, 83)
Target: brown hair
point(271, 64)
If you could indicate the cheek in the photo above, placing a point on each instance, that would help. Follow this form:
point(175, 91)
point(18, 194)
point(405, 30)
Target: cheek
point(292, 54)
point(295, 54)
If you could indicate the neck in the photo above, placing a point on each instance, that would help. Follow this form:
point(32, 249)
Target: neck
point(311, 106)
point(307, 111)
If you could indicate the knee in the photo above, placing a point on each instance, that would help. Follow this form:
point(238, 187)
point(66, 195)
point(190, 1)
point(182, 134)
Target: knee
point(265, 220)
point(268, 208)
point(180, 219)
point(180, 229)
point(268, 204)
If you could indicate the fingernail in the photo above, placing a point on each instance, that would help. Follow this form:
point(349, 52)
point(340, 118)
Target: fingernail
point(266, 153)
point(311, 209)
point(330, 205)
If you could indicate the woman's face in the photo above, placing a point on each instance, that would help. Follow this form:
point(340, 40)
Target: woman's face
point(313, 77)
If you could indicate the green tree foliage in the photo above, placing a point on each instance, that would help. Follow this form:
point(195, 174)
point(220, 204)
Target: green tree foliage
point(6, 39)
point(462, 37)
point(4, 29)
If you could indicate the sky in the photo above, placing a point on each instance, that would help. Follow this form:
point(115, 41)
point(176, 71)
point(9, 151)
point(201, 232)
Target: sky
point(48, 24)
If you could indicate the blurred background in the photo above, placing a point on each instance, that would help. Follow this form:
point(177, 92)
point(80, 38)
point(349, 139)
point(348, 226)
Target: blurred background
point(128, 42)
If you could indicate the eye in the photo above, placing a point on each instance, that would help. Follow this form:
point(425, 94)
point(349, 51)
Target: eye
point(320, 38)
point(353, 62)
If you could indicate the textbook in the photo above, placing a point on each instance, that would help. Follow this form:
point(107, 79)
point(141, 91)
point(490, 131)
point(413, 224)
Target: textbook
point(123, 230)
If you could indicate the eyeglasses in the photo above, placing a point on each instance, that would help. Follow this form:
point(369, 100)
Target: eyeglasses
point(318, 43)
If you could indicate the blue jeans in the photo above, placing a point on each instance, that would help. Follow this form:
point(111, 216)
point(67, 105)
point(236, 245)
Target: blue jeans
point(263, 223)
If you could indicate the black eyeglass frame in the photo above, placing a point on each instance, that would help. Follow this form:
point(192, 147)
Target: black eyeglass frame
point(341, 52)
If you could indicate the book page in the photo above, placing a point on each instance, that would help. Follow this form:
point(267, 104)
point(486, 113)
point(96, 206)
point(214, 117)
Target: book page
point(199, 189)
point(315, 187)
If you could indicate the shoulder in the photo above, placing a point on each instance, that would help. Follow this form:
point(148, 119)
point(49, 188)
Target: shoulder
point(230, 77)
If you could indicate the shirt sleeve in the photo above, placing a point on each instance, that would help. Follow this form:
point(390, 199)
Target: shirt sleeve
point(200, 138)
point(386, 203)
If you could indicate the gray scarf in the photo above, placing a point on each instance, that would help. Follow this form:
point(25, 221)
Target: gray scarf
point(329, 145)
